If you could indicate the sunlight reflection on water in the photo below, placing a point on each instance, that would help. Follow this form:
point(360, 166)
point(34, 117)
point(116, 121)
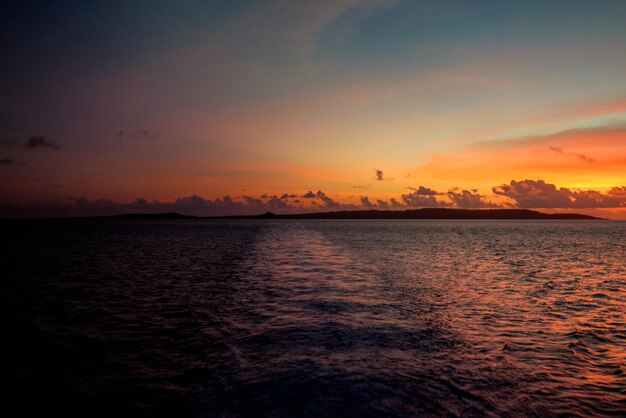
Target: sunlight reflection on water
point(248, 318)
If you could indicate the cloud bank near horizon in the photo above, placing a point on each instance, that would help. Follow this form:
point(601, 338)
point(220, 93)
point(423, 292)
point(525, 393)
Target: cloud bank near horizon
point(524, 194)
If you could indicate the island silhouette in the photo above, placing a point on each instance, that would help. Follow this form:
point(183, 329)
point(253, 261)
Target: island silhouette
point(424, 213)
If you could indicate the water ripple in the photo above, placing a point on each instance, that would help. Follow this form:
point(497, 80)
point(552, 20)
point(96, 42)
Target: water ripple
point(315, 318)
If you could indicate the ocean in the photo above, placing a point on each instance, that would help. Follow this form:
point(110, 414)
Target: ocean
point(315, 318)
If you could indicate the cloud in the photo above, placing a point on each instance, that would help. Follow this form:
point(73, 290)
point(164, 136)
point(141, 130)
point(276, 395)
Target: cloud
point(425, 191)
point(10, 161)
point(365, 202)
point(382, 204)
point(423, 197)
point(539, 194)
point(461, 199)
point(252, 202)
point(618, 192)
point(467, 199)
point(275, 203)
point(41, 142)
point(535, 194)
point(309, 195)
point(189, 205)
point(589, 155)
point(380, 176)
point(328, 202)
point(583, 157)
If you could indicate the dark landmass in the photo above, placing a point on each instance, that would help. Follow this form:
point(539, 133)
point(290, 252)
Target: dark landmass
point(426, 213)
point(169, 215)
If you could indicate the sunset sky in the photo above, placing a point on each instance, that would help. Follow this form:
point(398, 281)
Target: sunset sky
point(229, 107)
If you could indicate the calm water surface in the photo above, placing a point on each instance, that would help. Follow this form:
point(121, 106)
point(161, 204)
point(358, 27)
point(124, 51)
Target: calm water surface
point(314, 318)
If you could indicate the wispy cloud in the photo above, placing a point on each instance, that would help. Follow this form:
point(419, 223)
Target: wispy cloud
point(580, 156)
point(42, 142)
point(10, 161)
point(585, 156)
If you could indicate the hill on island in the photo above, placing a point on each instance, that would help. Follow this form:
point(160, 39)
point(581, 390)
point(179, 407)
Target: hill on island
point(425, 213)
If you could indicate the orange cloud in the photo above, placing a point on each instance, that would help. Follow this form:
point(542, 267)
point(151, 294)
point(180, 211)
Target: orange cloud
point(594, 157)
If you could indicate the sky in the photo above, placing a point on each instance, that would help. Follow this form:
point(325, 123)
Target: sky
point(233, 107)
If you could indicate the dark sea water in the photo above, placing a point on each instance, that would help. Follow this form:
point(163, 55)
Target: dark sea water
point(314, 318)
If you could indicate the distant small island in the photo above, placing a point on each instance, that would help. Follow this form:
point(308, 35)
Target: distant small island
point(425, 213)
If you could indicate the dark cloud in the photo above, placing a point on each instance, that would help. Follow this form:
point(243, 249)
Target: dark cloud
point(275, 203)
point(380, 176)
point(365, 202)
point(535, 194)
point(382, 204)
point(41, 142)
point(11, 161)
point(425, 191)
point(418, 199)
point(44, 184)
point(582, 157)
point(614, 198)
point(469, 199)
point(463, 199)
point(309, 195)
point(362, 187)
point(328, 202)
point(539, 194)
point(253, 203)
point(288, 196)
point(523, 194)
point(618, 192)
point(190, 205)
point(423, 197)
